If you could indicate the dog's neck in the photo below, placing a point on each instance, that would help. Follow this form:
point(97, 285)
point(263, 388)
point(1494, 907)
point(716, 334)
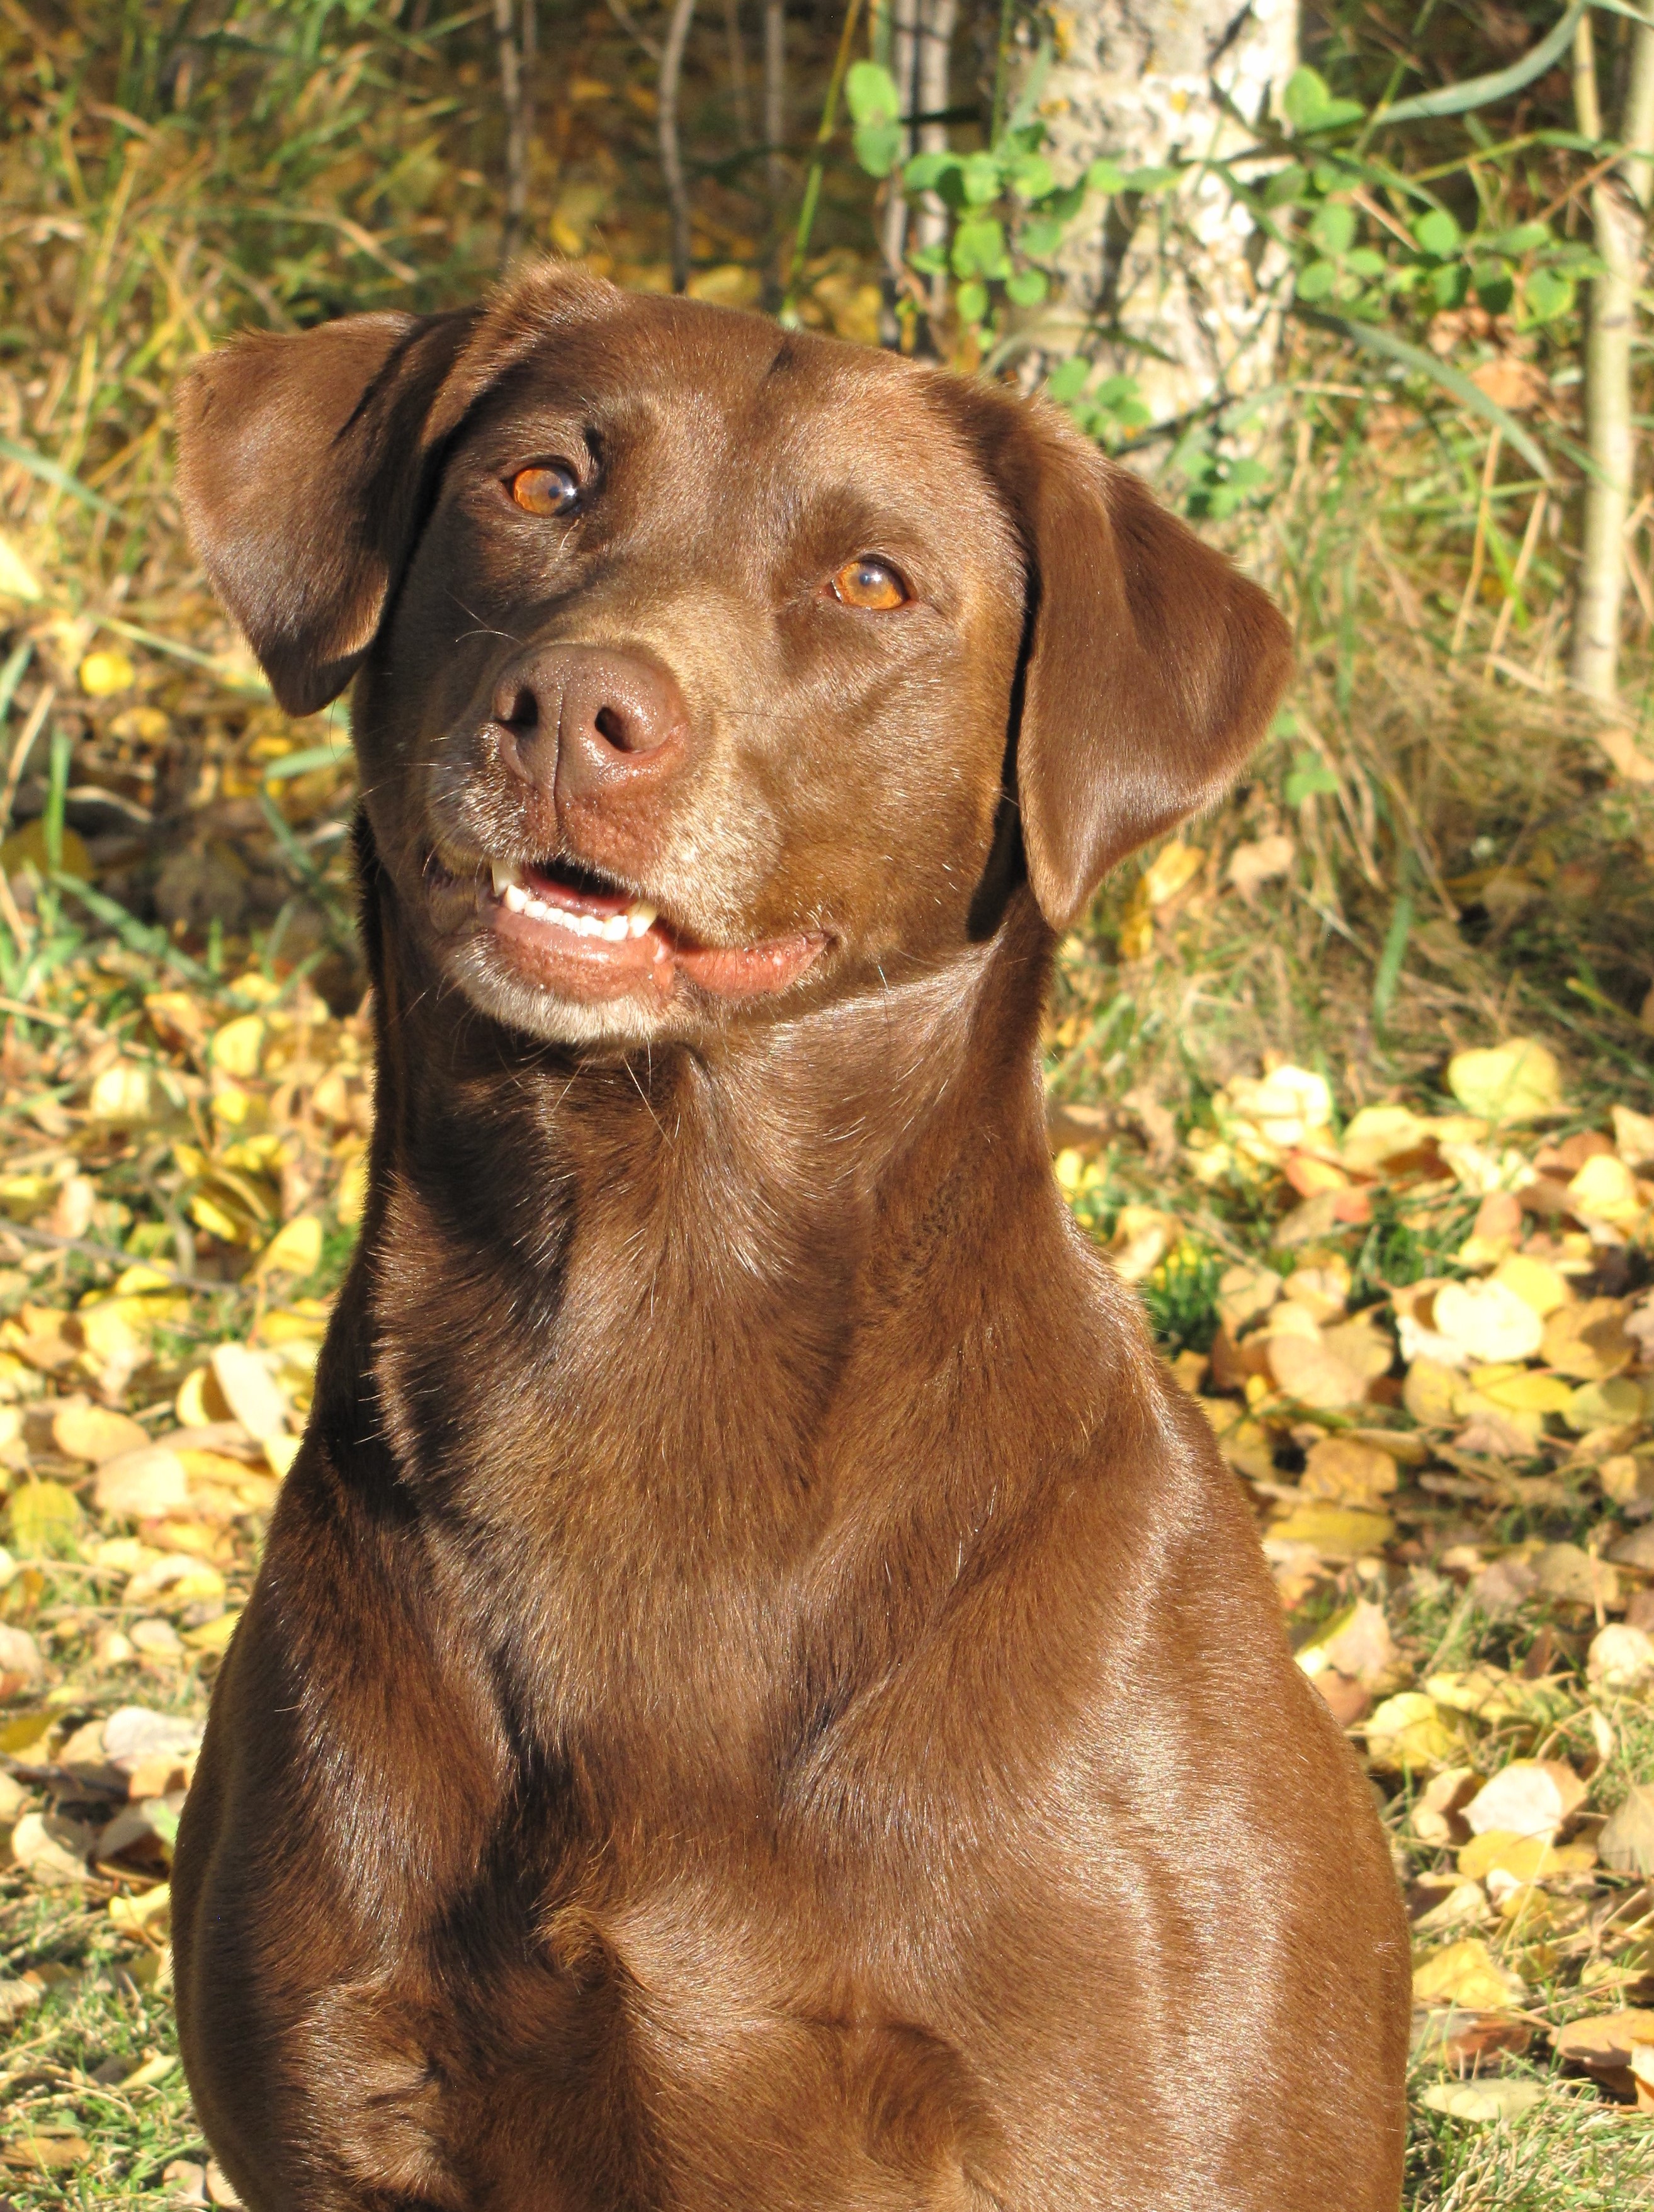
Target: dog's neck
point(758, 1140)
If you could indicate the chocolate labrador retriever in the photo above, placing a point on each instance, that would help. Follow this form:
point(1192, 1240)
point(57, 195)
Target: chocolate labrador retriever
point(761, 1696)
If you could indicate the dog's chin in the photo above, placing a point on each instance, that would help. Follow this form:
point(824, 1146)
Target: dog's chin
point(517, 1002)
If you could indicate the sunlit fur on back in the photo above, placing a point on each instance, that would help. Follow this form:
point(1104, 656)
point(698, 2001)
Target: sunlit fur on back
point(761, 1693)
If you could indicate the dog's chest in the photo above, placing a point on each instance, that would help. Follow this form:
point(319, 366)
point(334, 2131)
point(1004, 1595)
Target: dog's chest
point(718, 2037)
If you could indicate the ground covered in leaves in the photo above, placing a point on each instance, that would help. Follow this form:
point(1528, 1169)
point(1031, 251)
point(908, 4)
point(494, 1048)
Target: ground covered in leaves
point(1424, 1334)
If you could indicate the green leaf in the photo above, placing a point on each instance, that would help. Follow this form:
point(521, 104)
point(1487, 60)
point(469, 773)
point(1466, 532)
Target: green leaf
point(1192, 455)
point(1449, 283)
point(878, 147)
point(1150, 179)
point(1547, 294)
point(980, 178)
point(1032, 176)
point(1287, 187)
point(1334, 229)
point(1437, 234)
point(1309, 776)
point(1042, 237)
point(1067, 380)
point(1526, 238)
point(1495, 286)
point(163, 1820)
point(1063, 206)
point(1376, 338)
point(979, 249)
point(870, 94)
point(929, 260)
point(1104, 177)
point(1317, 282)
point(1309, 105)
point(972, 302)
point(926, 171)
point(1365, 261)
point(1027, 288)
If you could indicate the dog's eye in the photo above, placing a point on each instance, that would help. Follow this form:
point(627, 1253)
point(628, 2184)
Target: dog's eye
point(551, 488)
point(871, 584)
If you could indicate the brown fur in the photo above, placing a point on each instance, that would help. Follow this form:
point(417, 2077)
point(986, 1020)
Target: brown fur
point(761, 1696)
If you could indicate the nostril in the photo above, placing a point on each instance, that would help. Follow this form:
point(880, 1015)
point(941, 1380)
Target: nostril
point(520, 708)
point(610, 723)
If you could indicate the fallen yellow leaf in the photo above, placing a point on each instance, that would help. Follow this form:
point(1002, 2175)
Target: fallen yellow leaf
point(108, 671)
point(1523, 1858)
point(294, 1249)
point(1351, 1473)
point(1411, 1732)
point(1467, 1974)
point(213, 1635)
point(1516, 1081)
point(236, 1047)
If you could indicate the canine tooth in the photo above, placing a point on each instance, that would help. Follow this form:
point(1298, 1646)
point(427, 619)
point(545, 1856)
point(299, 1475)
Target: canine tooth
point(515, 898)
point(504, 877)
point(616, 928)
point(640, 917)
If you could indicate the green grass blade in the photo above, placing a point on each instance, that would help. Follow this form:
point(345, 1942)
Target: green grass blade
point(1483, 91)
point(59, 478)
point(1468, 395)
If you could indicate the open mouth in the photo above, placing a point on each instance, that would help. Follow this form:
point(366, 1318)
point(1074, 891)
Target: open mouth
point(572, 899)
point(575, 932)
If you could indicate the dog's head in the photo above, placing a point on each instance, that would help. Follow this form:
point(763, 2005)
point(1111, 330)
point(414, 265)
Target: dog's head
point(698, 663)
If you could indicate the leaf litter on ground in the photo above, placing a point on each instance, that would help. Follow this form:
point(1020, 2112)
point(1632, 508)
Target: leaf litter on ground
point(1449, 1440)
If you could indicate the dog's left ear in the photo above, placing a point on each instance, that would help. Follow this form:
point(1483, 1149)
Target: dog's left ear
point(1153, 669)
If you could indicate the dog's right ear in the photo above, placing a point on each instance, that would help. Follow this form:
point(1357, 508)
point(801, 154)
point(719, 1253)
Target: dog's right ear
point(300, 465)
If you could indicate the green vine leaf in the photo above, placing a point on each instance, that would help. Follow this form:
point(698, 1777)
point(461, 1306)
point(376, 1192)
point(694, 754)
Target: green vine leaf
point(1309, 105)
point(870, 94)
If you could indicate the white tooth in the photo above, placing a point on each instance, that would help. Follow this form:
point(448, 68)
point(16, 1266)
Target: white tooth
point(640, 917)
point(515, 898)
point(616, 928)
point(536, 909)
point(502, 876)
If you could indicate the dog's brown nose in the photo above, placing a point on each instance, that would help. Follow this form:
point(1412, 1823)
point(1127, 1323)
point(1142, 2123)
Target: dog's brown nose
point(588, 719)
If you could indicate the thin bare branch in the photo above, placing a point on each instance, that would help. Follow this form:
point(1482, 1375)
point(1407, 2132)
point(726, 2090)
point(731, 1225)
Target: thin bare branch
point(672, 159)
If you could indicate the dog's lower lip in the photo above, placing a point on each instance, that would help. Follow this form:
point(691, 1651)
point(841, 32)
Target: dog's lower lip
point(587, 941)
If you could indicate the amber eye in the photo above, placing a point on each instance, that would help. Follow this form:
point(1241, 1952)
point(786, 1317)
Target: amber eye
point(550, 488)
point(871, 584)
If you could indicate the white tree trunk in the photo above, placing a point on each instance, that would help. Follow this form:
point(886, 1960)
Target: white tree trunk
point(922, 50)
point(1618, 223)
point(1182, 288)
